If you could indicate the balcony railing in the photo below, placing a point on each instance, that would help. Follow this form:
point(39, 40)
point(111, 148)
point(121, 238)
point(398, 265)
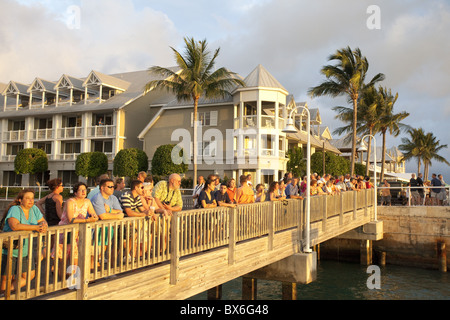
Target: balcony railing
point(42, 134)
point(70, 132)
point(65, 156)
point(101, 131)
point(267, 122)
point(14, 136)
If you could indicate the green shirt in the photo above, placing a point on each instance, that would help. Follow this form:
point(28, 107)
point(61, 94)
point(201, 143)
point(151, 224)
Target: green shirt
point(163, 193)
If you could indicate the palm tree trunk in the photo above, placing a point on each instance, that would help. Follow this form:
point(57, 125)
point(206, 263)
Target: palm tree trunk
point(355, 117)
point(195, 140)
point(383, 156)
point(418, 166)
point(369, 145)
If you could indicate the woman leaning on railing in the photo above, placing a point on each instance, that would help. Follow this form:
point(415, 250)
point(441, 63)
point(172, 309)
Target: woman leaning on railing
point(21, 215)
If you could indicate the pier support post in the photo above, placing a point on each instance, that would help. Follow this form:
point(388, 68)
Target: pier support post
point(382, 258)
point(442, 255)
point(366, 252)
point(249, 288)
point(215, 293)
point(289, 291)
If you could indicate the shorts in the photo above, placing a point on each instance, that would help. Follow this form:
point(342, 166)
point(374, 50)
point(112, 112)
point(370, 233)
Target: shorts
point(385, 199)
point(435, 194)
point(15, 264)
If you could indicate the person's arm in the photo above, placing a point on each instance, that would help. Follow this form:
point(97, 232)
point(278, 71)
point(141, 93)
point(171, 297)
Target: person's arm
point(58, 203)
point(39, 204)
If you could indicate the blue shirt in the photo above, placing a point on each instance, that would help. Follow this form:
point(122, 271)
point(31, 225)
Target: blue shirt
point(33, 217)
point(98, 202)
point(291, 190)
point(437, 183)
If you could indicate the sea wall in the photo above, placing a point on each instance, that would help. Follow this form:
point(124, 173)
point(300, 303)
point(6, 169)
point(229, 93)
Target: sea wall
point(412, 237)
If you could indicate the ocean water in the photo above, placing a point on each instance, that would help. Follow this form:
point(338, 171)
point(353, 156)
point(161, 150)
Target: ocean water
point(348, 281)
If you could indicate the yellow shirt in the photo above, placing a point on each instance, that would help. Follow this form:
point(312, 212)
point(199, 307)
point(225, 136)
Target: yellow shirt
point(245, 194)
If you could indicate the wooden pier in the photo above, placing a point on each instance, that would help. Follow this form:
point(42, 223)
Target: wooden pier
point(196, 250)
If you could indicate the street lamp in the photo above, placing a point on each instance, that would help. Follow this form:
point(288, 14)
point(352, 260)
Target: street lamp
point(290, 128)
point(364, 149)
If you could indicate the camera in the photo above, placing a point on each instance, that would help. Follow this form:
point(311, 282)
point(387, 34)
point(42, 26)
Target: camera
point(166, 202)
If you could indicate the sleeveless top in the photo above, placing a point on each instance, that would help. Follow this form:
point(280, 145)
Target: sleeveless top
point(50, 212)
point(79, 212)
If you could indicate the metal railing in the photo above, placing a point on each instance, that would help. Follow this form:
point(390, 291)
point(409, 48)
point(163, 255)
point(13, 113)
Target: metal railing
point(73, 255)
point(406, 195)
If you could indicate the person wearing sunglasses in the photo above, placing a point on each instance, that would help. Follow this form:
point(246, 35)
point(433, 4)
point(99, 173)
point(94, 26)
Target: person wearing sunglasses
point(105, 204)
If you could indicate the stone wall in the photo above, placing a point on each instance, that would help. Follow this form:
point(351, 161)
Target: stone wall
point(411, 237)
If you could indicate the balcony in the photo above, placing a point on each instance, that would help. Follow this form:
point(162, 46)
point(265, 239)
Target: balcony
point(14, 136)
point(41, 134)
point(65, 156)
point(70, 132)
point(267, 122)
point(9, 158)
point(108, 131)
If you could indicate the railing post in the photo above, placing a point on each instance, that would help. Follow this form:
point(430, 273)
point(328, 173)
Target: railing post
point(355, 203)
point(233, 233)
point(271, 225)
point(175, 252)
point(341, 211)
point(84, 260)
point(325, 213)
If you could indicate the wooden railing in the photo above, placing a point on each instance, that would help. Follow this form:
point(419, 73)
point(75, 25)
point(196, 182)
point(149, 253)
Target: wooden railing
point(108, 248)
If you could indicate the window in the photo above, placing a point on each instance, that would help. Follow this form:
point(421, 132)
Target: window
point(17, 125)
point(70, 147)
point(69, 178)
point(10, 178)
point(46, 146)
point(102, 146)
point(43, 123)
point(70, 122)
point(13, 149)
point(208, 118)
point(102, 119)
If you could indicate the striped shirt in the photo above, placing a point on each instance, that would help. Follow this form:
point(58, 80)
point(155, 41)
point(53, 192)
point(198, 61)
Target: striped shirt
point(127, 201)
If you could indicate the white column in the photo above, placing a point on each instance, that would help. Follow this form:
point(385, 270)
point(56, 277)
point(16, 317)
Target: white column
point(6, 99)
point(30, 102)
point(100, 94)
point(17, 102)
point(85, 95)
point(57, 97)
point(71, 97)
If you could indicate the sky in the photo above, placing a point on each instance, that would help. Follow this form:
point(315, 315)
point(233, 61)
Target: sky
point(407, 40)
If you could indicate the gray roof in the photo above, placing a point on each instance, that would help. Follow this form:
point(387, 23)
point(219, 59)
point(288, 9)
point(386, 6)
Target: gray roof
point(109, 80)
point(260, 77)
point(136, 81)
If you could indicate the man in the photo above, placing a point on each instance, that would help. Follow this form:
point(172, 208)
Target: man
point(131, 201)
point(415, 197)
point(105, 204)
point(96, 190)
point(386, 193)
point(341, 184)
point(168, 196)
point(292, 189)
point(119, 187)
point(435, 192)
point(244, 193)
point(222, 198)
point(443, 193)
point(142, 175)
point(198, 188)
point(420, 184)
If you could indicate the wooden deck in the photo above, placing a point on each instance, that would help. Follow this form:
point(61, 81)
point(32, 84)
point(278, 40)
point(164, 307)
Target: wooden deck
point(203, 249)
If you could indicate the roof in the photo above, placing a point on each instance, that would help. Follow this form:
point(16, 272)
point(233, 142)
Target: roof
point(260, 77)
point(96, 77)
point(136, 82)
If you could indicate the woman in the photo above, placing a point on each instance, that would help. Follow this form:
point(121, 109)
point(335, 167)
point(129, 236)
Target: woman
point(53, 202)
point(273, 191)
point(78, 209)
point(231, 190)
point(260, 195)
point(21, 215)
point(313, 188)
point(281, 190)
point(206, 197)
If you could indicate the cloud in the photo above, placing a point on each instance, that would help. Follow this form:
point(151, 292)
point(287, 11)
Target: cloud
point(37, 42)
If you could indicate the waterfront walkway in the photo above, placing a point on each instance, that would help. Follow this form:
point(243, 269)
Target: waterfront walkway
point(195, 251)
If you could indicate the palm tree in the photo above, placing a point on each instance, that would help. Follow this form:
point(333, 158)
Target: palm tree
point(389, 121)
point(424, 147)
point(368, 115)
point(195, 78)
point(414, 146)
point(431, 152)
point(346, 78)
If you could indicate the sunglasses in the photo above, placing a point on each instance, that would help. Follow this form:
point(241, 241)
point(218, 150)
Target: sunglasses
point(111, 187)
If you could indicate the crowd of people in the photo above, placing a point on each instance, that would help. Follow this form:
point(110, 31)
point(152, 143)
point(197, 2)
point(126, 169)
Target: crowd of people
point(211, 193)
point(107, 201)
point(110, 201)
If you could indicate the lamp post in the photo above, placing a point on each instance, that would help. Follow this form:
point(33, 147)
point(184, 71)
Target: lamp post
point(290, 128)
point(364, 148)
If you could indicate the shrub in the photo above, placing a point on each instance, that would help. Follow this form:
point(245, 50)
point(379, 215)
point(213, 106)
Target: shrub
point(129, 162)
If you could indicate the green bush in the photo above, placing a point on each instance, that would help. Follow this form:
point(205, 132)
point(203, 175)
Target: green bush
point(129, 162)
point(162, 161)
point(334, 164)
point(91, 164)
point(31, 161)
